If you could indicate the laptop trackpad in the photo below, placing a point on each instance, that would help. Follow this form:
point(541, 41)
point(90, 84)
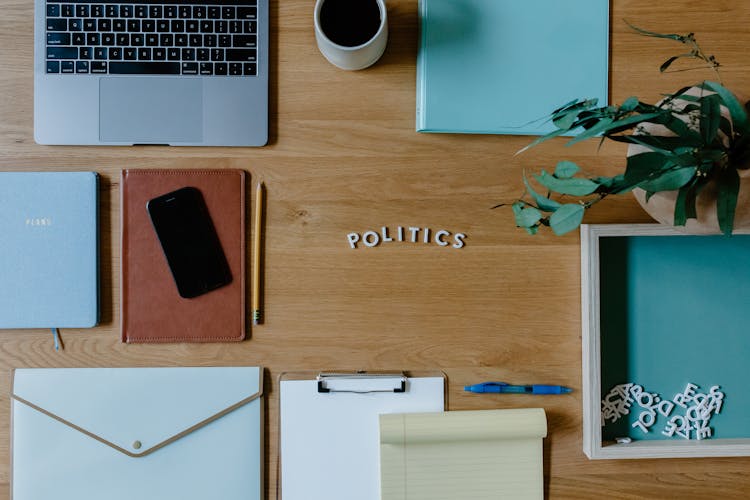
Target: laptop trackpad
point(151, 110)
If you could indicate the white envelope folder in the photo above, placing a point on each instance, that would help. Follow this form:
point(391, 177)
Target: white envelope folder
point(137, 434)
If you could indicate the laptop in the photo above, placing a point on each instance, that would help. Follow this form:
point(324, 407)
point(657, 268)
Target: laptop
point(49, 250)
point(175, 72)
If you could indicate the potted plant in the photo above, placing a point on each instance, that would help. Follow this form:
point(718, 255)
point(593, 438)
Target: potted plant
point(686, 152)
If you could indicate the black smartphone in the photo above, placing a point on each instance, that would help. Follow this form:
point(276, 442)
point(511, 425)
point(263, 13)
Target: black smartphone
point(188, 238)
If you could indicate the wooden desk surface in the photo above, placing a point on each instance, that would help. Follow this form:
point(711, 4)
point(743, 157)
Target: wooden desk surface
point(344, 157)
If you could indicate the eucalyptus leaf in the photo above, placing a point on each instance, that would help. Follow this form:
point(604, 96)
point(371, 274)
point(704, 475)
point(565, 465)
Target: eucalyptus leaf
point(566, 218)
point(671, 36)
point(670, 180)
point(629, 104)
point(574, 187)
point(668, 63)
point(728, 182)
point(608, 125)
point(710, 117)
point(542, 202)
point(541, 139)
point(644, 166)
point(526, 216)
point(566, 170)
point(736, 110)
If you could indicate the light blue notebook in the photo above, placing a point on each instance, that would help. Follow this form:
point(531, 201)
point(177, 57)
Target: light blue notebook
point(502, 66)
point(48, 250)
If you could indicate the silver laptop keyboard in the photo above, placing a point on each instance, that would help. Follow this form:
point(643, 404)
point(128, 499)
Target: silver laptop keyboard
point(150, 38)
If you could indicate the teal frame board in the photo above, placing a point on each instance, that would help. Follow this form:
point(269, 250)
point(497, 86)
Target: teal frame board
point(661, 309)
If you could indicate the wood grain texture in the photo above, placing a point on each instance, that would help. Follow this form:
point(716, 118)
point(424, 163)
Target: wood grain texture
point(344, 157)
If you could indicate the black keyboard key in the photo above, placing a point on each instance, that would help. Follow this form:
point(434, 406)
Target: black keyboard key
point(78, 39)
point(225, 40)
point(141, 11)
point(123, 39)
point(159, 54)
point(58, 38)
point(235, 69)
point(189, 68)
point(178, 26)
point(104, 25)
point(247, 41)
point(217, 55)
point(235, 27)
point(206, 69)
point(85, 53)
point(62, 52)
point(170, 11)
point(210, 40)
point(162, 26)
point(137, 40)
point(192, 26)
point(185, 11)
point(89, 25)
point(130, 53)
point(57, 25)
point(221, 26)
point(99, 67)
point(115, 53)
point(195, 40)
point(245, 55)
point(181, 40)
point(67, 10)
point(126, 11)
point(166, 40)
point(199, 12)
point(112, 10)
point(100, 52)
point(82, 66)
point(188, 54)
point(250, 26)
point(227, 13)
point(82, 10)
point(92, 38)
point(173, 54)
point(148, 25)
point(108, 39)
point(53, 66)
point(134, 25)
point(250, 69)
point(53, 10)
point(247, 12)
point(97, 10)
point(203, 55)
point(144, 54)
point(119, 25)
point(155, 12)
point(144, 68)
point(207, 27)
point(220, 68)
point(75, 24)
point(152, 40)
point(67, 67)
point(214, 13)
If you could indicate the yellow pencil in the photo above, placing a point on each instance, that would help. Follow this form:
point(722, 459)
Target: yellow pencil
point(257, 252)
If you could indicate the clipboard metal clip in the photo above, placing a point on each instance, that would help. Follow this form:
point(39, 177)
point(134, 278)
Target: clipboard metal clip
point(362, 382)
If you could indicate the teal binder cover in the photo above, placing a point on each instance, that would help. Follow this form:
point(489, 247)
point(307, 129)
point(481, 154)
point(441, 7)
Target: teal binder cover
point(48, 250)
point(502, 66)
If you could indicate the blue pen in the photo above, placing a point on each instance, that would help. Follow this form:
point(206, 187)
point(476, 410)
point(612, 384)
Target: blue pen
point(503, 388)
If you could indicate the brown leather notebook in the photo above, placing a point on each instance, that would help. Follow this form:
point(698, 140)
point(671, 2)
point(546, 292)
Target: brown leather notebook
point(152, 309)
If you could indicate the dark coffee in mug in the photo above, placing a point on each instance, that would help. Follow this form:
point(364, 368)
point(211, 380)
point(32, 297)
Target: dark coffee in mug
point(350, 22)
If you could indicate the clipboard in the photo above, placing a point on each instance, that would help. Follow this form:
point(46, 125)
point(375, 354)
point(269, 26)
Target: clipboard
point(329, 428)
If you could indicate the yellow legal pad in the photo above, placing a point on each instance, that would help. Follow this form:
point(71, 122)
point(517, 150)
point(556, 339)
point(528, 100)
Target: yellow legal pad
point(486, 454)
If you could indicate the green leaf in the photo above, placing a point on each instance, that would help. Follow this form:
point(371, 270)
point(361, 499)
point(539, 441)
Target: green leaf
point(541, 139)
point(574, 187)
point(608, 125)
point(526, 216)
point(710, 117)
point(668, 63)
point(669, 181)
point(736, 111)
point(629, 104)
point(680, 215)
point(542, 202)
point(671, 36)
point(645, 166)
point(566, 218)
point(566, 170)
point(728, 182)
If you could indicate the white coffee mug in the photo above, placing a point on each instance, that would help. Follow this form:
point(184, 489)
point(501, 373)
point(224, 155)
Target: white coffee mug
point(358, 56)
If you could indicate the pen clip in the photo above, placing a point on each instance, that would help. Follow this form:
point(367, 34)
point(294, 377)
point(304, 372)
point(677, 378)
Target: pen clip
point(493, 384)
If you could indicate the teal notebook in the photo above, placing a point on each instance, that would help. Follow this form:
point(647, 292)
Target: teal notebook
point(502, 66)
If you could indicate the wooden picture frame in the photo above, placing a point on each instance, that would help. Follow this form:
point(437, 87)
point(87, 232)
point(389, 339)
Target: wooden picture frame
point(593, 445)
